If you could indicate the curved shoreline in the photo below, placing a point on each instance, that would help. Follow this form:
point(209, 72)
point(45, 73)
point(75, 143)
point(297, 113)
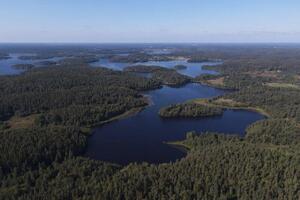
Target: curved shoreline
point(132, 113)
point(204, 101)
point(149, 102)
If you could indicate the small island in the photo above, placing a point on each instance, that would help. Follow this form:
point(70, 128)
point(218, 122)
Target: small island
point(165, 75)
point(189, 110)
point(138, 57)
point(144, 68)
point(78, 60)
point(171, 77)
point(180, 67)
point(35, 57)
point(23, 66)
point(46, 63)
point(218, 81)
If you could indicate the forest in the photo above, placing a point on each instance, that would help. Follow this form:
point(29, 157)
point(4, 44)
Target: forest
point(138, 58)
point(171, 77)
point(191, 110)
point(79, 96)
point(23, 66)
point(217, 167)
point(167, 76)
point(45, 113)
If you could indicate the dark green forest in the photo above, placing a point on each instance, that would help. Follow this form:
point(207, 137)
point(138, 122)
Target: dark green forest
point(217, 167)
point(167, 76)
point(96, 94)
point(191, 110)
point(45, 113)
point(171, 77)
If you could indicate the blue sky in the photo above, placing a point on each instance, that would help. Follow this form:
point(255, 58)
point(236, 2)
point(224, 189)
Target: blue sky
point(149, 21)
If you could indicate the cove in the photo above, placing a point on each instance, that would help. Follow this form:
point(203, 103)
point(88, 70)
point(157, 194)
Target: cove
point(140, 138)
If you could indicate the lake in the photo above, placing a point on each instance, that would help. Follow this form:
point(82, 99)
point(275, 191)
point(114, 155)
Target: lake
point(192, 70)
point(140, 138)
point(6, 65)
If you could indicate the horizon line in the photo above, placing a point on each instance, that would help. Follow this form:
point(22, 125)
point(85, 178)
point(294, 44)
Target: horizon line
point(46, 42)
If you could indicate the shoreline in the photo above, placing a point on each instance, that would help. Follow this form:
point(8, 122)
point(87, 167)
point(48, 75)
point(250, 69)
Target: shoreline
point(124, 115)
point(179, 145)
point(129, 113)
point(248, 108)
point(212, 85)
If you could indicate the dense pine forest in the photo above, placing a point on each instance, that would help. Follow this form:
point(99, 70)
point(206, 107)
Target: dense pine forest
point(189, 110)
point(167, 76)
point(46, 114)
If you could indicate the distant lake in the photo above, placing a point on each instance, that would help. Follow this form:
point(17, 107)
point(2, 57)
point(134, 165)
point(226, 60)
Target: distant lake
point(192, 70)
point(141, 137)
point(6, 65)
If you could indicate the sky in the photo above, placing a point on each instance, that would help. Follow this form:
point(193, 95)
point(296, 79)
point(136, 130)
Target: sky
point(149, 21)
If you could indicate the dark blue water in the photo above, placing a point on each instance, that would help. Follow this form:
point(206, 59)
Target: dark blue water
point(192, 70)
point(141, 137)
point(6, 65)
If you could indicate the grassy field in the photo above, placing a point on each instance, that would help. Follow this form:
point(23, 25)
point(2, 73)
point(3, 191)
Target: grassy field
point(217, 81)
point(22, 122)
point(230, 104)
point(283, 85)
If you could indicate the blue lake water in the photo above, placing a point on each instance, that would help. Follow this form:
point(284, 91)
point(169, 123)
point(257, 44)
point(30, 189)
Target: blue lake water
point(6, 65)
point(192, 70)
point(140, 138)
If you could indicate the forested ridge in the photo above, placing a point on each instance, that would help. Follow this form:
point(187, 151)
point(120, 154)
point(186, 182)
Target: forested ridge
point(42, 159)
point(56, 89)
